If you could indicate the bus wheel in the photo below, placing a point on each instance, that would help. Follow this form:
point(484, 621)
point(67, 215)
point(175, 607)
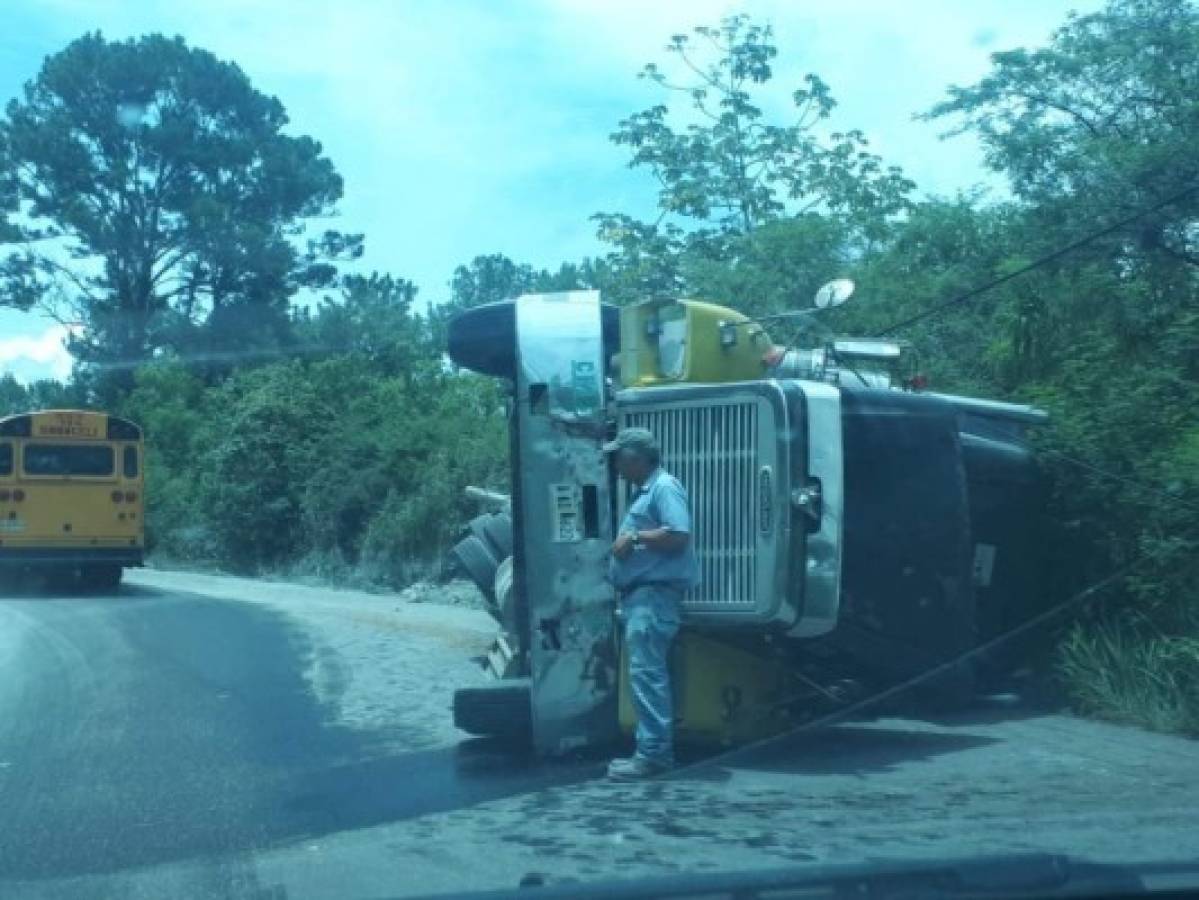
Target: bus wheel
point(99, 578)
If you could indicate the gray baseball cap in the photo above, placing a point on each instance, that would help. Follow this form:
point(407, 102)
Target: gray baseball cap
point(636, 440)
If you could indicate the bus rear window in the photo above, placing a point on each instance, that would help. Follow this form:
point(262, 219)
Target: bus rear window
point(5, 460)
point(130, 462)
point(67, 459)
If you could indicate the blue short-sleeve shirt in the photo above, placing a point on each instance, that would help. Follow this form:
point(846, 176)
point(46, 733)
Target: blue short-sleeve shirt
point(659, 503)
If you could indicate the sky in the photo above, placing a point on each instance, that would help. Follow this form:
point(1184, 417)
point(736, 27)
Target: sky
point(466, 127)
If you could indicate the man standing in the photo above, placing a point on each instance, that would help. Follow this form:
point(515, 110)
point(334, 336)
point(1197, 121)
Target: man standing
point(653, 565)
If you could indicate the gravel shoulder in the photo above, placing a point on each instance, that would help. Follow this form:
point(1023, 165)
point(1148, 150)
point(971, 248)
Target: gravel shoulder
point(990, 782)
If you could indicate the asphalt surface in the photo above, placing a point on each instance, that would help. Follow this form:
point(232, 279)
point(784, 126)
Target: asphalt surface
point(196, 736)
point(158, 726)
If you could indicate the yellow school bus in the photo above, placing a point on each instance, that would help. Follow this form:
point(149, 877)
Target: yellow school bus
point(71, 500)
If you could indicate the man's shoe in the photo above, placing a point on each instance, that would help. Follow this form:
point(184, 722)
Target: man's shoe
point(636, 768)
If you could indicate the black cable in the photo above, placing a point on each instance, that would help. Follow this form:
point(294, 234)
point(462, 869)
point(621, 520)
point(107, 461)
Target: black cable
point(1048, 258)
point(1039, 450)
point(1037, 263)
point(1077, 599)
point(840, 715)
point(1124, 479)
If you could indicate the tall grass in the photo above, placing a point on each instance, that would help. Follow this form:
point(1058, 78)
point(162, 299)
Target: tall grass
point(1124, 673)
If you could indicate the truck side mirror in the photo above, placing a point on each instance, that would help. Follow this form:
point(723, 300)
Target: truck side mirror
point(834, 293)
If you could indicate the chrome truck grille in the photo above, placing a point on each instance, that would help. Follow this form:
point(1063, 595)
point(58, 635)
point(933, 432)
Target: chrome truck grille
point(728, 445)
point(713, 450)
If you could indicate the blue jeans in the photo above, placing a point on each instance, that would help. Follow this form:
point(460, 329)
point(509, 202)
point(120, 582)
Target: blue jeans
point(651, 620)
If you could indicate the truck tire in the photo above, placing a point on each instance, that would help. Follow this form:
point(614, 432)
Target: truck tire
point(500, 710)
point(504, 611)
point(498, 532)
point(495, 531)
point(483, 338)
point(478, 563)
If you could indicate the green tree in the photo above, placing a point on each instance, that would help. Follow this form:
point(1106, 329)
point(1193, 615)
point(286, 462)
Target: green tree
point(182, 427)
point(1096, 125)
point(163, 204)
point(45, 393)
point(13, 396)
point(372, 319)
point(253, 477)
point(724, 171)
point(1105, 118)
point(729, 166)
point(486, 279)
point(778, 266)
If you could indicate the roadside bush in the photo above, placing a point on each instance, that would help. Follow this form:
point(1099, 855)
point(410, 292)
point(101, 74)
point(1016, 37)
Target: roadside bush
point(253, 478)
point(393, 544)
point(1128, 412)
point(176, 531)
point(330, 469)
point(465, 433)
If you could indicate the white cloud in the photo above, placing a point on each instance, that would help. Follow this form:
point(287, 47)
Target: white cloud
point(29, 358)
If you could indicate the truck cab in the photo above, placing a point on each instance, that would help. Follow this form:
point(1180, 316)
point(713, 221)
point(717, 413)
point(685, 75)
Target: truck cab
point(851, 533)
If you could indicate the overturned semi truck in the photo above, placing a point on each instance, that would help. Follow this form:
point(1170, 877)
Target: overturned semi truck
point(852, 533)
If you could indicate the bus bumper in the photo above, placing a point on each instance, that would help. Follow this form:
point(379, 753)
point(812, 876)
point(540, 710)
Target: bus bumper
point(21, 557)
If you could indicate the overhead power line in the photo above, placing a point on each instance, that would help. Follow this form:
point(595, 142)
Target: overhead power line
point(1037, 263)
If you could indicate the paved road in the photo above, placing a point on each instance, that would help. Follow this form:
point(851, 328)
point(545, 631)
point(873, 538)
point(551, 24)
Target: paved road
point(199, 736)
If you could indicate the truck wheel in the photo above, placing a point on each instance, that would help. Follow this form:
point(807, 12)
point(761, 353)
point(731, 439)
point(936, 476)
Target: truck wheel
point(498, 532)
point(500, 710)
point(475, 559)
point(494, 530)
point(504, 611)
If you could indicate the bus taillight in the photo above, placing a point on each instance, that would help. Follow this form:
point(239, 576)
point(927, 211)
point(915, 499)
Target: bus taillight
point(117, 496)
point(18, 495)
point(4, 495)
point(130, 496)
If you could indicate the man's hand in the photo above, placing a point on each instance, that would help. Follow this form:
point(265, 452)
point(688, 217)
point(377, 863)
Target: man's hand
point(623, 545)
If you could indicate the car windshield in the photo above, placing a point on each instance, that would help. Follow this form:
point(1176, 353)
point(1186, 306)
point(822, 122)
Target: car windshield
point(610, 447)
